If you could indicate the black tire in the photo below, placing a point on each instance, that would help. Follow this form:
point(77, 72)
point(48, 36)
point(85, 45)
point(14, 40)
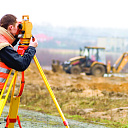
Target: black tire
point(75, 70)
point(98, 70)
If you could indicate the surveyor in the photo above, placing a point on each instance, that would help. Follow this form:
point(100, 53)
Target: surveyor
point(9, 58)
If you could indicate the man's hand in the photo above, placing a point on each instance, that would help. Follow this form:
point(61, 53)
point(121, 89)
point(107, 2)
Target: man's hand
point(33, 43)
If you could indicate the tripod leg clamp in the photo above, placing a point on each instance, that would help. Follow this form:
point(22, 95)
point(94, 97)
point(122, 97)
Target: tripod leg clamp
point(9, 120)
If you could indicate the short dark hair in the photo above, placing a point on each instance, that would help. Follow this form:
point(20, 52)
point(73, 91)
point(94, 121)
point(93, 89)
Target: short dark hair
point(7, 20)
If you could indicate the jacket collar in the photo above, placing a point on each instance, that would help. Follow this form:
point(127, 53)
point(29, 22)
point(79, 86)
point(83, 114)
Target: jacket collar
point(9, 37)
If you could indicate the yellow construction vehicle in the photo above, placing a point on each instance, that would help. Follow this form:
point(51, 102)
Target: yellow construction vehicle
point(92, 61)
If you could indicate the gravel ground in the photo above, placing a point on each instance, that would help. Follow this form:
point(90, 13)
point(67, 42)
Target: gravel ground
point(31, 119)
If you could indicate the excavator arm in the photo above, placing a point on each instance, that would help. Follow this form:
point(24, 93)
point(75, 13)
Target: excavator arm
point(120, 63)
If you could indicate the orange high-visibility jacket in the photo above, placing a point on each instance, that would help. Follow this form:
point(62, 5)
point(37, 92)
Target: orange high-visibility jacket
point(6, 39)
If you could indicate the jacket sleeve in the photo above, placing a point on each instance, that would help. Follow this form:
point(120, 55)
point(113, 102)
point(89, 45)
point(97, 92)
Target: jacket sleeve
point(13, 60)
point(16, 41)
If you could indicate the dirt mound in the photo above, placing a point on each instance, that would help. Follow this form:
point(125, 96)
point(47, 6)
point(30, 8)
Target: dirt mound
point(87, 85)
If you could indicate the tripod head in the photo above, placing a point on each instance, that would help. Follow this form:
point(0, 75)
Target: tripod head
point(25, 30)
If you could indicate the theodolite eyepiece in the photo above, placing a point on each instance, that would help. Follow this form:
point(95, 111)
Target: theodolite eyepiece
point(20, 26)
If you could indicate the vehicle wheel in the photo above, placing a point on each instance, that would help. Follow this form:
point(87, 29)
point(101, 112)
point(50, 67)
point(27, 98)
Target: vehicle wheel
point(75, 70)
point(98, 70)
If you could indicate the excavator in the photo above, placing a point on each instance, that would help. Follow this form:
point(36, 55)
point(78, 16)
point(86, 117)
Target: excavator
point(92, 61)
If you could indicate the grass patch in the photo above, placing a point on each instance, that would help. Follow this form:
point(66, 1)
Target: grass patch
point(70, 103)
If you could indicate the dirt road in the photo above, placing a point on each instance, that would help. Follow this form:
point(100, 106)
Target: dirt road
point(32, 119)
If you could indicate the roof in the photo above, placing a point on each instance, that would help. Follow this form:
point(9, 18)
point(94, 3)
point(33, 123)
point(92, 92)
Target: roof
point(43, 37)
point(94, 47)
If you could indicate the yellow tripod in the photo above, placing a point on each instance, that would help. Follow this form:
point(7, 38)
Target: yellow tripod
point(15, 100)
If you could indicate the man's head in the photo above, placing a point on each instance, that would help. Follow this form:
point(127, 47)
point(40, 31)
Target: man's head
point(10, 23)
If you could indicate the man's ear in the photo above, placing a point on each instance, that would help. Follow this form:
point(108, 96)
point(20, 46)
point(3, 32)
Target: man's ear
point(10, 27)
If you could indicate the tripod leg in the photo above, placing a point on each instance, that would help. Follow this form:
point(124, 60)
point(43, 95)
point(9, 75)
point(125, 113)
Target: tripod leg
point(13, 89)
point(14, 106)
point(50, 91)
point(13, 111)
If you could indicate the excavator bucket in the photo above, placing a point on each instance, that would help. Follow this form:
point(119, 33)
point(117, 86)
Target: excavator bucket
point(56, 67)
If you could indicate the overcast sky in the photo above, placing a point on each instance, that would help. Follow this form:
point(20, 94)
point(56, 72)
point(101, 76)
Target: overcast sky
point(86, 13)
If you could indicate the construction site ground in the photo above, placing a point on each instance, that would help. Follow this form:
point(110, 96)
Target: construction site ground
point(101, 100)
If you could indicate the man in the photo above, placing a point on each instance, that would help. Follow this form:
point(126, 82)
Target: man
point(9, 58)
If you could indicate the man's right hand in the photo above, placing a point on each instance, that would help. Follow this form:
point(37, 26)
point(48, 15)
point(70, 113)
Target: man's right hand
point(33, 43)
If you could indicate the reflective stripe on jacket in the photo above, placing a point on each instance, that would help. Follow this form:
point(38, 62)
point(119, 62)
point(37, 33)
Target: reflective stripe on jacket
point(4, 71)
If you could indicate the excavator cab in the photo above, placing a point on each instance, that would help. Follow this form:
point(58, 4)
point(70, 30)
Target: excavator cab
point(95, 54)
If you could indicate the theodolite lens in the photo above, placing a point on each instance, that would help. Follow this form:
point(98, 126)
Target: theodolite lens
point(20, 26)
